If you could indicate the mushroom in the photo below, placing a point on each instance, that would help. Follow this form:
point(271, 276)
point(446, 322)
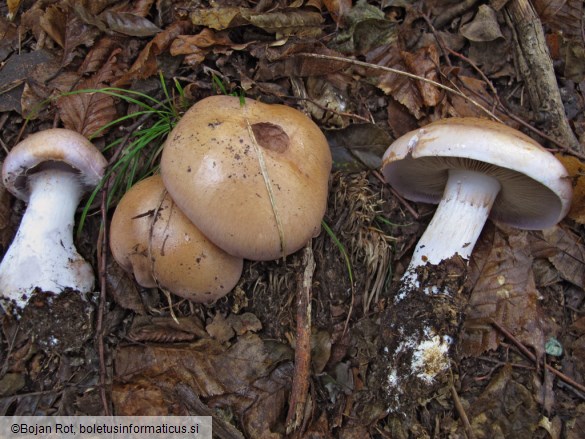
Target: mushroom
point(151, 238)
point(50, 170)
point(253, 177)
point(474, 169)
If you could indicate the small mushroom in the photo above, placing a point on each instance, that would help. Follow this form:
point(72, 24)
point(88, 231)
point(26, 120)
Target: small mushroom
point(50, 170)
point(474, 169)
point(253, 177)
point(151, 238)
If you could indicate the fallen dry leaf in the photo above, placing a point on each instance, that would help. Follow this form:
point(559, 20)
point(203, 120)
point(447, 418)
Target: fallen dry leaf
point(505, 291)
point(130, 24)
point(9, 39)
point(165, 329)
point(88, 112)
point(569, 257)
point(68, 31)
point(145, 64)
point(196, 47)
point(562, 15)
point(505, 409)
point(98, 55)
point(358, 147)
point(366, 29)
point(483, 27)
point(123, 288)
point(251, 379)
point(298, 22)
point(216, 18)
point(414, 95)
point(424, 62)
point(338, 9)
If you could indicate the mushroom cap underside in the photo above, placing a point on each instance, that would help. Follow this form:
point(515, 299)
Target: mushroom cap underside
point(57, 146)
point(535, 188)
point(238, 170)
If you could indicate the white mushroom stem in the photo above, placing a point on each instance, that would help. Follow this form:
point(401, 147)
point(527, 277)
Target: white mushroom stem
point(419, 357)
point(457, 223)
point(42, 254)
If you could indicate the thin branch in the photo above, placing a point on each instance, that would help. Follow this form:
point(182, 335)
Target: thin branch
point(533, 358)
point(403, 73)
point(300, 386)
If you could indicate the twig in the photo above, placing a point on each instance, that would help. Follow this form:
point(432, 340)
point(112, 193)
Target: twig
point(102, 249)
point(196, 407)
point(403, 73)
point(462, 414)
point(533, 358)
point(537, 70)
point(300, 385)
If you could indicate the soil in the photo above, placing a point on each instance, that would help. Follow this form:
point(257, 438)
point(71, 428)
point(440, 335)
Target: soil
point(514, 312)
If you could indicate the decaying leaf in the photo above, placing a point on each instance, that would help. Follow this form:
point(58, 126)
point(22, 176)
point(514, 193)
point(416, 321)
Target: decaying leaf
point(145, 64)
point(165, 329)
point(86, 112)
point(68, 30)
point(301, 23)
point(123, 289)
point(367, 29)
point(18, 68)
point(196, 47)
point(358, 147)
point(338, 9)
point(562, 15)
point(9, 39)
point(98, 55)
point(483, 27)
point(281, 62)
point(130, 24)
point(424, 63)
point(505, 291)
point(405, 90)
point(569, 254)
point(505, 409)
point(281, 22)
point(251, 379)
point(216, 18)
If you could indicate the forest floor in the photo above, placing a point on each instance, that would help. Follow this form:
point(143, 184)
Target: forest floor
point(366, 73)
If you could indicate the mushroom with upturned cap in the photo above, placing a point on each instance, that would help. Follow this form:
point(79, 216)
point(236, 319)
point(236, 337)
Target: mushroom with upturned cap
point(151, 238)
point(50, 170)
point(253, 177)
point(474, 169)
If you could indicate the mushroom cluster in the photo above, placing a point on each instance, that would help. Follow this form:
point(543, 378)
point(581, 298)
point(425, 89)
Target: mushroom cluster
point(50, 170)
point(244, 181)
point(474, 169)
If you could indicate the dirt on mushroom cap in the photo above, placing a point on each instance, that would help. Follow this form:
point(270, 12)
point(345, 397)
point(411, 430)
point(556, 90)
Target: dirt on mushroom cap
point(223, 160)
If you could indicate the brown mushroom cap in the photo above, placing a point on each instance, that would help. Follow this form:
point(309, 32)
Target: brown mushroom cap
point(53, 147)
point(171, 252)
point(211, 167)
point(535, 189)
